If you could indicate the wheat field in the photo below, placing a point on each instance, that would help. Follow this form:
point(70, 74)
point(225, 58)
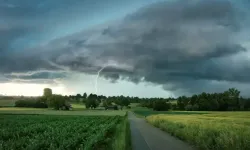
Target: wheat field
point(213, 131)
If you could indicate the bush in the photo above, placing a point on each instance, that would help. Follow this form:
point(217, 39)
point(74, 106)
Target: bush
point(161, 106)
point(128, 107)
point(58, 102)
point(31, 104)
point(115, 107)
point(189, 107)
point(195, 107)
point(174, 107)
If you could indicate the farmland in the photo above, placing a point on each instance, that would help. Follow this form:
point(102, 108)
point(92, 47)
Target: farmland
point(15, 110)
point(62, 132)
point(210, 131)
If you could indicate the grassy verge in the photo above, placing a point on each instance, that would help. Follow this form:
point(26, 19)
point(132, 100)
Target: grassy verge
point(122, 138)
point(216, 131)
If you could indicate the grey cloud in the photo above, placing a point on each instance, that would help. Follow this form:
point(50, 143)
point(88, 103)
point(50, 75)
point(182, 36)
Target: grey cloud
point(38, 75)
point(183, 45)
point(179, 44)
point(41, 77)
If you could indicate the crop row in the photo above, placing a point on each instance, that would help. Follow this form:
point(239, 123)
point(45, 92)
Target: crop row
point(56, 132)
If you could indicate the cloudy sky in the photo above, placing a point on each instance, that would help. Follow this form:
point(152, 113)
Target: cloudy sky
point(146, 48)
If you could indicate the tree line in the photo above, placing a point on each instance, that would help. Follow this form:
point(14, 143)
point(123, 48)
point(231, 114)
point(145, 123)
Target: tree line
point(229, 100)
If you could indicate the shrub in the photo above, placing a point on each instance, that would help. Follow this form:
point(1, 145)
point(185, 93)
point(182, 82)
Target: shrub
point(189, 107)
point(30, 103)
point(161, 106)
point(115, 107)
point(128, 107)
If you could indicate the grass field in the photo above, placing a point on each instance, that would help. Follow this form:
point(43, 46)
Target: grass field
point(211, 131)
point(78, 106)
point(63, 132)
point(15, 110)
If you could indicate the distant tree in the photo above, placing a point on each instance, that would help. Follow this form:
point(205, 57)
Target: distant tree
point(92, 101)
point(84, 96)
point(189, 107)
point(78, 97)
point(174, 106)
point(32, 103)
point(125, 102)
point(57, 102)
point(160, 105)
point(47, 92)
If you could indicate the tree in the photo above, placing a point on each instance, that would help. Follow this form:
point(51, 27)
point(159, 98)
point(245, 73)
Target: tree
point(160, 105)
point(84, 96)
point(78, 97)
point(47, 92)
point(125, 102)
point(57, 102)
point(92, 101)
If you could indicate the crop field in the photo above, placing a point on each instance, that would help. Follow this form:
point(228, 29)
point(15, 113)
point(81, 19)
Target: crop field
point(144, 112)
point(213, 131)
point(15, 110)
point(60, 132)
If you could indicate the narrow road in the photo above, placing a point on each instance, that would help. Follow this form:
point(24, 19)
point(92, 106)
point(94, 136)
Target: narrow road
point(146, 137)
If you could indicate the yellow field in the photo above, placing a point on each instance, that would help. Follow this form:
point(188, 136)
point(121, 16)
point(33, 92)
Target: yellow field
point(214, 131)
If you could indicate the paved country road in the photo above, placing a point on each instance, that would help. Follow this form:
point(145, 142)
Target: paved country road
point(146, 137)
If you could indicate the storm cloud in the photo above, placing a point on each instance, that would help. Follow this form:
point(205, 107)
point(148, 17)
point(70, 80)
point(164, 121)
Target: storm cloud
point(185, 46)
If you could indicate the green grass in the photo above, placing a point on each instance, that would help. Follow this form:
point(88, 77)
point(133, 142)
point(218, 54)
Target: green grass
point(60, 132)
point(134, 105)
point(15, 110)
point(123, 134)
point(78, 106)
point(213, 131)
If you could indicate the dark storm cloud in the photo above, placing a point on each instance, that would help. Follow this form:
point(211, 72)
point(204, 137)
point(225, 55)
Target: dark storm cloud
point(179, 44)
point(183, 45)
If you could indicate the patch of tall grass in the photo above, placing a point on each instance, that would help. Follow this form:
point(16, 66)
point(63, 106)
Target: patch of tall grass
point(122, 138)
point(215, 131)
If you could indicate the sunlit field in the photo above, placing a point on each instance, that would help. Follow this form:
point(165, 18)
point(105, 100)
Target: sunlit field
point(14, 110)
point(213, 131)
point(63, 132)
point(76, 106)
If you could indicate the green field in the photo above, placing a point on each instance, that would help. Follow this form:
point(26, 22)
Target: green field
point(63, 132)
point(211, 131)
point(15, 110)
point(78, 106)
